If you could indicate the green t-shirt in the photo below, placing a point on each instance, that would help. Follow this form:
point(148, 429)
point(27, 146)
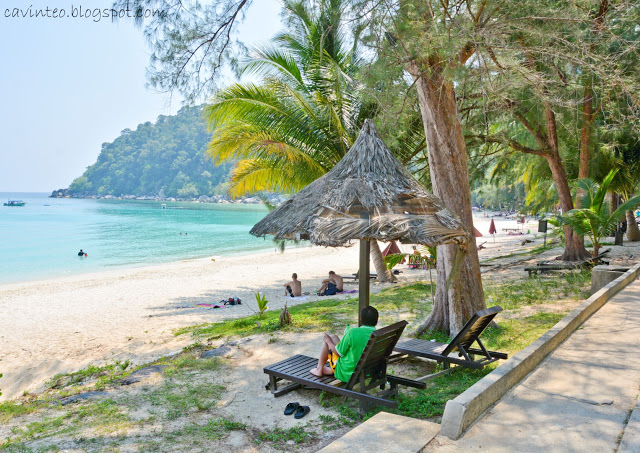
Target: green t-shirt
point(350, 349)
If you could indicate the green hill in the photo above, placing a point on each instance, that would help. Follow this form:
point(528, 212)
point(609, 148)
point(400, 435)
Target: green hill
point(166, 158)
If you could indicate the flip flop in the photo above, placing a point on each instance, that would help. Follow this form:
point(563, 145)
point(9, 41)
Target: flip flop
point(291, 408)
point(302, 411)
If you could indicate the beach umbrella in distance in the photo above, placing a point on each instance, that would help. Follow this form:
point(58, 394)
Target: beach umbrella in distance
point(492, 230)
point(368, 195)
point(392, 249)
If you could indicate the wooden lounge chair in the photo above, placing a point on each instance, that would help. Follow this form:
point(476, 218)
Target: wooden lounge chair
point(466, 355)
point(551, 266)
point(370, 372)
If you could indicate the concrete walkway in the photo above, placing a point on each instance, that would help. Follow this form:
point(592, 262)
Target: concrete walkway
point(580, 398)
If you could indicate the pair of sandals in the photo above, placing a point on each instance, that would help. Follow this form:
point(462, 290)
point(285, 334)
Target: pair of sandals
point(300, 411)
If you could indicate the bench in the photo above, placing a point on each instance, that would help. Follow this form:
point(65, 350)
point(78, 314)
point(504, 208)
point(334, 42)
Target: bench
point(550, 266)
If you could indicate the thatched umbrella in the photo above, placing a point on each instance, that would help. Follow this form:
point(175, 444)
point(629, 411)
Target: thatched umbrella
point(368, 195)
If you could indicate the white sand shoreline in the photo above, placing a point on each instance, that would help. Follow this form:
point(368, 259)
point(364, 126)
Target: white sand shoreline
point(63, 324)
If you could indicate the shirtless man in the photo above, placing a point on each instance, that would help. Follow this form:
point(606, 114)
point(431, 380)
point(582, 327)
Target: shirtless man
point(334, 284)
point(294, 287)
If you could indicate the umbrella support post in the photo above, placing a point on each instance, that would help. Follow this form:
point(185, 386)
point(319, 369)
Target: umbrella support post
point(363, 289)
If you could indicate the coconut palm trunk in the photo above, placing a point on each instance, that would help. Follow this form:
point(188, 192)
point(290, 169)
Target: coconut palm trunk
point(384, 274)
point(633, 232)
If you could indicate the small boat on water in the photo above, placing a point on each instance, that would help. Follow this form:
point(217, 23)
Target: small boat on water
point(15, 203)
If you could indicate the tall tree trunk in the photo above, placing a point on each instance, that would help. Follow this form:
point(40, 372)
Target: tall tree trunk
point(633, 232)
point(587, 100)
point(450, 179)
point(384, 274)
point(585, 132)
point(573, 244)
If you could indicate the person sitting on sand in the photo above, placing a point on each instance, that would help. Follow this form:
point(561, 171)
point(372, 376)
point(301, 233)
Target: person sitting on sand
point(294, 287)
point(334, 284)
point(343, 355)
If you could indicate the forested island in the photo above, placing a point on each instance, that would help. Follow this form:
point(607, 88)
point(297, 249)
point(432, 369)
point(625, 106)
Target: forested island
point(165, 159)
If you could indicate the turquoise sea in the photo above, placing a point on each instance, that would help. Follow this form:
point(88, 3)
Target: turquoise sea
point(42, 239)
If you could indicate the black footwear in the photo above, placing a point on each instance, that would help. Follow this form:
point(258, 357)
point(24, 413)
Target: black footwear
point(302, 411)
point(291, 408)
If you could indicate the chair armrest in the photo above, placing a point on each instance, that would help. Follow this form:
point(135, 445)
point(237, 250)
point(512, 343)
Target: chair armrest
point(406, 382)
point(495, 355)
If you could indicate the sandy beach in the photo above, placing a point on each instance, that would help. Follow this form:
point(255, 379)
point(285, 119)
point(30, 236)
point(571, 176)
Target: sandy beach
point(61, 325)
point(64, 324)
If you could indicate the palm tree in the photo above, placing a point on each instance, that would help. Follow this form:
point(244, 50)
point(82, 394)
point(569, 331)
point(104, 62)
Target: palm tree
point(595, 219)
point(301, 120)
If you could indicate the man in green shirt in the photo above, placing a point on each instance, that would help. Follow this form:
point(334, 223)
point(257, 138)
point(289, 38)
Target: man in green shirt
point(343, 355)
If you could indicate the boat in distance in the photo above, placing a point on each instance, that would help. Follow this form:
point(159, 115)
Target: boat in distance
point(15, 203)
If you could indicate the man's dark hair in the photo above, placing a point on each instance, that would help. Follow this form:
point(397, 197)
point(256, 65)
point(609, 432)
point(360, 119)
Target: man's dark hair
point(294, 275)
point(369, 316)
point(331, 273)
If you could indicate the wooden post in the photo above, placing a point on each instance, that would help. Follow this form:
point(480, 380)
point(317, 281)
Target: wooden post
point(363, 289)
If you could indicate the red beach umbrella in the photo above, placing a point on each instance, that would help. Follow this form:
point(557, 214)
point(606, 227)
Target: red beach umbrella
point(392, 249)
point(492, 228)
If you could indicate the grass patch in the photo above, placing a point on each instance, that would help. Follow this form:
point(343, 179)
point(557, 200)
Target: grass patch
point(318, 315)
point(10, 409)
point(517, 293)
point(214, 429)
point(177, 399)
point(279, 436)
point(102, 374)
point(104, 417)
point(189, 363)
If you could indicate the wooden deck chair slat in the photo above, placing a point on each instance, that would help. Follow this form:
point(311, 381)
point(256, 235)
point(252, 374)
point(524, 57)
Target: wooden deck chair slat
point(285, 367)
point(463, 336)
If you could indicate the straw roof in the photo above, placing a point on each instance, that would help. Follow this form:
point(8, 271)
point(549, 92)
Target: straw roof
point(367, 195)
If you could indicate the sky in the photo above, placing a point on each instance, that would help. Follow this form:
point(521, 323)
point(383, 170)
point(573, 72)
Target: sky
point(68, 85)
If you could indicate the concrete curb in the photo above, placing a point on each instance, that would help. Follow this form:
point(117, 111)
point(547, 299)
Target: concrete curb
point(465, 409)
point(630, 442)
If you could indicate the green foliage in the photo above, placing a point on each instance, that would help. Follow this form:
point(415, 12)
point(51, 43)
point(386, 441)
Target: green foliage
point(301, 119)
point(393, 259)
point(261, 300)
point(166, 158)
point(594, 218)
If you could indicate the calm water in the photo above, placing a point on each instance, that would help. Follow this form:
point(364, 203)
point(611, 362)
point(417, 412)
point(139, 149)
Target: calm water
point(42, 239)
